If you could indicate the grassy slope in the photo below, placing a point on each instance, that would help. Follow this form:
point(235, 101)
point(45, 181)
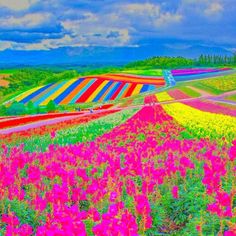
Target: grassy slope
point(8, 71)
point(217, 85)
point(231, 98)
point(148, 72)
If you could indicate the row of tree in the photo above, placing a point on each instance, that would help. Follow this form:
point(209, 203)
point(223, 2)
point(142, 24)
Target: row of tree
point(162, 63)
point(217, 60)
point(181, 62)
point(17, 108)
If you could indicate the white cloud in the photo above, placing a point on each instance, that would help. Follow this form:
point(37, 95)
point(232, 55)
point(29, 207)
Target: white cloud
point(137, 8)
point(17, 5)
point(78, 41)
point(47, 44)
point(168, 18)
point(113, 27)
point(214, 9)
point(96, 30)
point(26, 21)
point(148, 14)
point(207, 8)
point(5, 45)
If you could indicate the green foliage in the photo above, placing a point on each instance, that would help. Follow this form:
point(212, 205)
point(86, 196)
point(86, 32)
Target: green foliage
point(190, 92)
point(26, 78)
point(16, 108)
point(158, 215)
point(99, 71)
point(89, 226)
point(232, 98)
point(129, 202)
point(84, 205)
point(187, 211)
point(147, 72)
point(185, 135)
point(3, 110)
point(51, 106)
point(218, 85)
point(25, 214)
point(77, 133)
point(31, 109)
point(216, 60)
point(141, 137)
point(162, 63)
point(23, 172)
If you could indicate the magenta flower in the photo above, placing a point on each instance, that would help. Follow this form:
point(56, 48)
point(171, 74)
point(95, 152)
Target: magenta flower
point(10, 219)
point(113, 196)
point(229, 233)
point(175, 192)
point(53, 134)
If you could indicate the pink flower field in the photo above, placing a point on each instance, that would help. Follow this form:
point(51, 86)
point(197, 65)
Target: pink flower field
point(144, 177)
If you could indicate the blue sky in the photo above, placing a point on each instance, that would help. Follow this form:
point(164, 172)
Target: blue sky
point(36, 25)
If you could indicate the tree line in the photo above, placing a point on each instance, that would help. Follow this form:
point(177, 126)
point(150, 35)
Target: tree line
point(217, 60)
point(17, 108)
point(182, 62)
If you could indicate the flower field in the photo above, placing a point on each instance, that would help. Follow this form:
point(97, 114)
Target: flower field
point(203, 124)
point(217, 85)
point(211, 106)
point(162, 163)
point(197, 73)
point(161, 170)
point(14, 121)
point(163, 97)
point(178, 94)
point(65, 133)
point(221, 84)
point(18, 134)
point(92, 89)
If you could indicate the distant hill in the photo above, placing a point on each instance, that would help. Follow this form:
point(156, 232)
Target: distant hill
point(104, 55)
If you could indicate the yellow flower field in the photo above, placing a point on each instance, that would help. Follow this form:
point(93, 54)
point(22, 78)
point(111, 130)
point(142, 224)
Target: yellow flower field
point(163, 96)
point(203, 124)
point(223, 83)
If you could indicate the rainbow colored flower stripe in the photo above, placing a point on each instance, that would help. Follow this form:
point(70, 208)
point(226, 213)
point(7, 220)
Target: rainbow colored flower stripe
point(197, 72)
point(91, 89)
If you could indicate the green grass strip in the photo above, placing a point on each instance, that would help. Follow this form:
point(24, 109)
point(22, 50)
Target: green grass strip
point(231, 98)
point(190, 92)
point(207, 88)
point(152, 72)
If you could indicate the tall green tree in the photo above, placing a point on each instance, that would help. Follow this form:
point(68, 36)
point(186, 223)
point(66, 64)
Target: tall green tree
point(3, 110)
point(51, 106)
point(16, 108)
point(31, 109)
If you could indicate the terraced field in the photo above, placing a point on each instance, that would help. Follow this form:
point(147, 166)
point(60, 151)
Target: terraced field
point(92, 89)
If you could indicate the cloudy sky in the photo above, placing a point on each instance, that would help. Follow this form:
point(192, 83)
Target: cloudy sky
point(29, 25)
